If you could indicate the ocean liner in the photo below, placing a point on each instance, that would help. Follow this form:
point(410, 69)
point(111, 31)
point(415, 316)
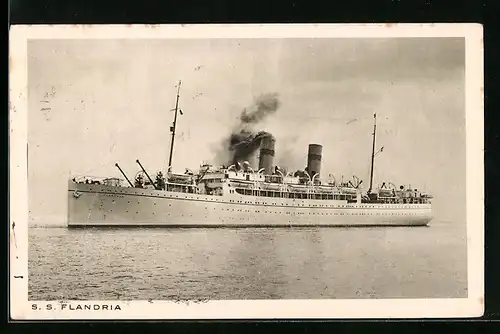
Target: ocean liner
point(239, 195)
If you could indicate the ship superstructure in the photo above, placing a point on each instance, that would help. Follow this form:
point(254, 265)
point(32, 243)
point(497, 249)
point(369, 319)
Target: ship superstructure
point(240, 195)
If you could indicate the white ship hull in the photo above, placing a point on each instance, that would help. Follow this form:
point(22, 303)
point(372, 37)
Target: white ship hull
point(101, 205)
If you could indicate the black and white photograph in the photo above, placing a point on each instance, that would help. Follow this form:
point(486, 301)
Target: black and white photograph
point(238, 171)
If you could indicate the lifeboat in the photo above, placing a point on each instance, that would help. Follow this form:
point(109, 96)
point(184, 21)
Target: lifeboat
point(385, 193)
point(180, 178)
point(349, 191)
point(267, 186)
point(298, 189)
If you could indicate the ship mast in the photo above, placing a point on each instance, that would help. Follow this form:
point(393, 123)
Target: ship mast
point(373, 151)
point(172, 128)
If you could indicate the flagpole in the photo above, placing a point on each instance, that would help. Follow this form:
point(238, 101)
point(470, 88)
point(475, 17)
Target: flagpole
point(172, 129)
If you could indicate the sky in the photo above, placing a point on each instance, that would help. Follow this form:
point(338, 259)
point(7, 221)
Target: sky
point(92, 103)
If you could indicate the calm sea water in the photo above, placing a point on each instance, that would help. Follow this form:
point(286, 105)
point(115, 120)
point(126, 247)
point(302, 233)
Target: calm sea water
point(250, 263)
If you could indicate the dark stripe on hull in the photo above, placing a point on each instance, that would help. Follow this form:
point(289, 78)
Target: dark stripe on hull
point(238, 226)
point(353, 206)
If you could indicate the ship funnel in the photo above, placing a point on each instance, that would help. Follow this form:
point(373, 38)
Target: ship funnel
point(314, 159)
point(267, 155)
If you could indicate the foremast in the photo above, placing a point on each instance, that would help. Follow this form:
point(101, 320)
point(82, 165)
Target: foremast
point(373, 152)
point(173, 127)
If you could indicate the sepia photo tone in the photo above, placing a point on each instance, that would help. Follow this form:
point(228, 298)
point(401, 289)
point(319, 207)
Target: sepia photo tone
point(238, 169)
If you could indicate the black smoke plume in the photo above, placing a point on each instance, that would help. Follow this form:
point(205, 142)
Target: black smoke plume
point(245, 140)
point(264, 105)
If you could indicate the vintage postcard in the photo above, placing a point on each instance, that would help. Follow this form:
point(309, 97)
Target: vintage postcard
point(246, 171)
